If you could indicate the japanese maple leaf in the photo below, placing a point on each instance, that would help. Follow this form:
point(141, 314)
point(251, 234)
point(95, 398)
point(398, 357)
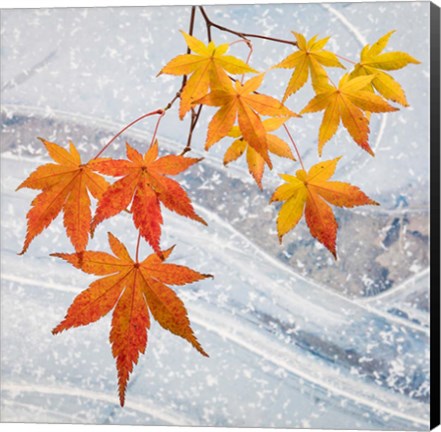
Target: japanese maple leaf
point(309, 193)
point(374, 62)
point(65, 185)
point(209, 64)
point(347, 103)
point(240, 101)
point(134, 290)
point(256, 163)
point(144, 184)
point(309, 59)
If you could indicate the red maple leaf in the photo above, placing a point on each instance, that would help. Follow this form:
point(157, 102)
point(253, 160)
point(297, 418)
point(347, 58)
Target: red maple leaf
point(132, 289)
point(144, 185)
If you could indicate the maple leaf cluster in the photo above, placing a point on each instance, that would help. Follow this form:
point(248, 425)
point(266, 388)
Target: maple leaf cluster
point(130, 288)
point(359, 93)
point(236, 101)
point(136, 289)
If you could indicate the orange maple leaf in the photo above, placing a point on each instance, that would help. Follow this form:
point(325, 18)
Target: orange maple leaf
point(208, 65)
point(347, 103)
point(134, 289)
point(64, 186)
point(307, 193)
point(145, 185)
point(242, 102)
point(256, 164)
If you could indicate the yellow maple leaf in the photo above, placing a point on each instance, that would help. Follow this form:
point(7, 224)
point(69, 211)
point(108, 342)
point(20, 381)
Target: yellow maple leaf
point(347, 103)
point(374, 62)
point(309, 59)
point(255, 162)
point(309, 193)
point(209, 64)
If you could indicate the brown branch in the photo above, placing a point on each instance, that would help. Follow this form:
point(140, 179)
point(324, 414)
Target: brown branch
point(207, 22)
point(191, 25)
point(242, 35)
point(176, 97)
point(194, 120)
point(190, 32)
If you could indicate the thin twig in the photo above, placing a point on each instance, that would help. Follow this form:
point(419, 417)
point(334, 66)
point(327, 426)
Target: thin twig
point(194, 120)
point(190, 32)
point(191, 26)
point(170, 104)
point(210, 24)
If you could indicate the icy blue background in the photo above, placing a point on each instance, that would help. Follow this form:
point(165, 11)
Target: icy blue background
point(291, 344)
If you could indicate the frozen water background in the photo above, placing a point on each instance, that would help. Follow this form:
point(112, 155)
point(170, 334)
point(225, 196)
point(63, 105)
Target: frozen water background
point(295, 339)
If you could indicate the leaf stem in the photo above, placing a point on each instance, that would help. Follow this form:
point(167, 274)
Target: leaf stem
point(295, 146)
point(345, 59)
point(242, 35)
point(241, 40)
point(250, 52)
point(158, 111)
point(137, 247)
point(155, 131)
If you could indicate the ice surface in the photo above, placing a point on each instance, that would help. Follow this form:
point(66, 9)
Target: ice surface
point(295, 339)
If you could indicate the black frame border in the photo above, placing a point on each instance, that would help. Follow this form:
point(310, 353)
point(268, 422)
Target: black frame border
point(435, 321)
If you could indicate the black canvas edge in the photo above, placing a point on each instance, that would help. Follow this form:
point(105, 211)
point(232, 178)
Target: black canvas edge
point(435, 322)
